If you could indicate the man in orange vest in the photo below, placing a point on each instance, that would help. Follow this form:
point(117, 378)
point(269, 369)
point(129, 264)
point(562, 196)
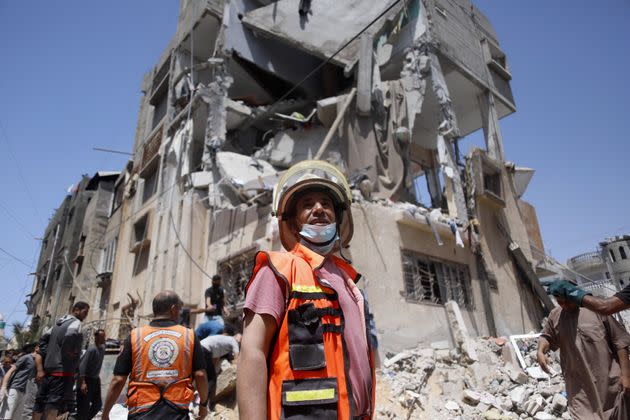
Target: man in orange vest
point(162, 360)
point(305, 351)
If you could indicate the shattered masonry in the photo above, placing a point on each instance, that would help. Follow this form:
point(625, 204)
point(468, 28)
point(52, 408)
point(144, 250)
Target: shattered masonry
point(215, 131)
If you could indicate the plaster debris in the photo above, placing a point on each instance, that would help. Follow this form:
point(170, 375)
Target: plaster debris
point(458, 387)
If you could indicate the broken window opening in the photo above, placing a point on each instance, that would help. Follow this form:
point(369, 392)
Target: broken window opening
point(117, 197)
point(492, 183)
point(622, 253)
point(612, 255)
point(430, 280)
point(150, 177)
point(140, 238)
point(108, 256)
point(421, 190)
point(235, 272)
point(159, 92)
point(607, 275)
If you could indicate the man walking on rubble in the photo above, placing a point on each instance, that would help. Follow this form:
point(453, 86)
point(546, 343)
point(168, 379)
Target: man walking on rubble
point(594, 360)
point(214, 301)
point(16, 381)
point(305, 351)
point(63, 351)
point(89, 400)
point(162, 360)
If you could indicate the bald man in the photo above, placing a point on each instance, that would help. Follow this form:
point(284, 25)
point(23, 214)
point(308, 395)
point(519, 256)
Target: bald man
point(162, 360)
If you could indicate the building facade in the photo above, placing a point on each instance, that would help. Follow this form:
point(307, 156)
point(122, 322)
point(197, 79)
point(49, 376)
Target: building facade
point(227, 109)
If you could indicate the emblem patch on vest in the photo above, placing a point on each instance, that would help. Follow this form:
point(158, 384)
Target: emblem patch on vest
point(163, 352)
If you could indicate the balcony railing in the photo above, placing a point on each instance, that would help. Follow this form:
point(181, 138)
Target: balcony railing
point(587, 259)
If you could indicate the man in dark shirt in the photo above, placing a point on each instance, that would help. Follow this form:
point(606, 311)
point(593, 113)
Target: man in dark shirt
point(603, 306)
point(63, 353)
point(89, 400)
point(214, 298)
point(167, 307)
point(15, 382)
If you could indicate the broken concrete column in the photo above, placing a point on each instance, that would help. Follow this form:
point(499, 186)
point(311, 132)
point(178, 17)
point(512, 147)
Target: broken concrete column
point(364, 76)
point(215, 95)
point(491, 129)
point(448, 127)
point(459, 331)
point(413, 79)
point(456, 200)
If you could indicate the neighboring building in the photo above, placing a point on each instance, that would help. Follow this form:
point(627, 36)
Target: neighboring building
point(616, 253)
point(66, 268)
point(222, 117)
point(88, 260)
point(52, 295)
point(589, 271)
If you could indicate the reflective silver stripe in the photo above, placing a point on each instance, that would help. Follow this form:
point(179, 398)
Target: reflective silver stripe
point(137, 355)
point(187, 353)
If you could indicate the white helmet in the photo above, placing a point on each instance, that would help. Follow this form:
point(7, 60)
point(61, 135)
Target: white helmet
point(313, 174)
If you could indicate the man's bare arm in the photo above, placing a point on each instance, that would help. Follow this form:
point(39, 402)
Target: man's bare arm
point(115, 388)
point(604, 306)
point(543, 348)
point(251, 382)
point(201, 383)
point(8, 376)
point(209, 307)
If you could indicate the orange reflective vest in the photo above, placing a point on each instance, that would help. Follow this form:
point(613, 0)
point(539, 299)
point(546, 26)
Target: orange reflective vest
point(308, 369)
point(162, 367)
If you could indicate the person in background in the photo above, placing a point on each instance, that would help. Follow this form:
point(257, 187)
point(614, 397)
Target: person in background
point(15, 382)
point(214, 301)
point(162, 360)
point(89, 400)
point(63, 353)
point(216, 347)
point(7, 362)
point(594, 360)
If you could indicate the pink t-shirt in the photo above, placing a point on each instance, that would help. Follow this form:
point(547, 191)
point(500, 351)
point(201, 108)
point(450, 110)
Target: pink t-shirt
point(266, 296)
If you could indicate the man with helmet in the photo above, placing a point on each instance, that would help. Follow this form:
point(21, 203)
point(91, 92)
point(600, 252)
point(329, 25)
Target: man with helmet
point(305, 351)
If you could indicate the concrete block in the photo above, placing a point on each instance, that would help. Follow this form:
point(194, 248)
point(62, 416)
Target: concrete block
point(534, 405)
point(460, 331)
point(537, 373)
point(519, 395)
point(470, 397)
point(245, 173)
point(451, 405)
point(559, 403)
point(517, 375)
point(327, 109)
point(237, 114)
point(541, 415)
point(397, 358)
point(226, 383)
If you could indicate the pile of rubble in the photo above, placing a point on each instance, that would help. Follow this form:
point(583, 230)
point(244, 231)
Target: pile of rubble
point(440, 382)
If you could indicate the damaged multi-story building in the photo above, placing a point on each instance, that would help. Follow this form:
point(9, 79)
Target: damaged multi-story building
point(386, 91)
point(67, 266)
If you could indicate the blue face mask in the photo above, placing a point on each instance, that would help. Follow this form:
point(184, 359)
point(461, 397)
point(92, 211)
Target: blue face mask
point(319, 238)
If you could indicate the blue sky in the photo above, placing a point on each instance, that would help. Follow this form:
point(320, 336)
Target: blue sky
point(71, 73)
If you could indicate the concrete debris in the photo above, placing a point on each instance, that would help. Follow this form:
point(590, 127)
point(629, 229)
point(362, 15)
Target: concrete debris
point(456, 387)
point(460, 331)
point(288, 147)
point(536, 372)
point(226, 383)
point(245, 178)
point(216, 96)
